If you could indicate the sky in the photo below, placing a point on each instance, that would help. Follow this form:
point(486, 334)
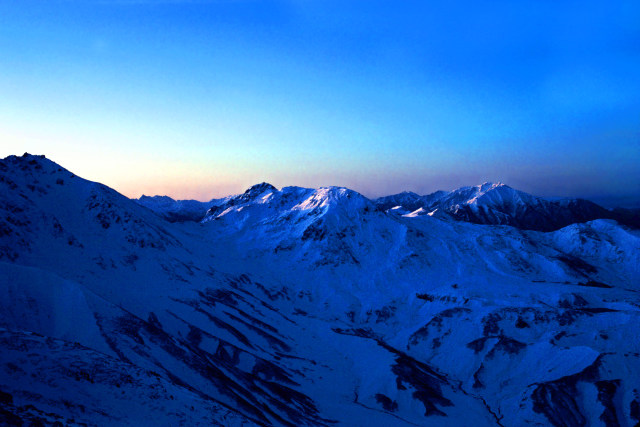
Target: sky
point(201, 99)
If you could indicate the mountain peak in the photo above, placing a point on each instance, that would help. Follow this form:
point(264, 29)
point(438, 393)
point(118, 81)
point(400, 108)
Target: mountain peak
point(26, 157)
point(339, 193)
point(36, 164)
point(256, 190)
point(29, 155)
point(487, 186)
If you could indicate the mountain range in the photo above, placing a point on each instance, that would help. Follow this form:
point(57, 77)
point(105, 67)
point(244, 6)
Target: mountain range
point(296, 306)
point(488, 203)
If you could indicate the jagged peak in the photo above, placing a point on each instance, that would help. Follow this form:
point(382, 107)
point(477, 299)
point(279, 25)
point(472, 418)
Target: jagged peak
point(253, 192)
point(248, 197)
point(490, 186)
point(37, 156)
point(480, 188)
point(37, 164)
point(26, 157)
point(256, 190)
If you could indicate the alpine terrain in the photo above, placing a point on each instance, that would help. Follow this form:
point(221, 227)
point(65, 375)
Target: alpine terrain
point(484, 306)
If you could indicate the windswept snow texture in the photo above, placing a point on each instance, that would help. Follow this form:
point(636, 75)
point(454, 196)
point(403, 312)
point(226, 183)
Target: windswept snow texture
point(310, 307)
point(499, 204)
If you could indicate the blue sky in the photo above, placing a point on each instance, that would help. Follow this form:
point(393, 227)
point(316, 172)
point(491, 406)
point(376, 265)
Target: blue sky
point(197, 99)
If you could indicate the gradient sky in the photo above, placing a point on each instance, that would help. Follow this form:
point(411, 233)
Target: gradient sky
point(198, 99)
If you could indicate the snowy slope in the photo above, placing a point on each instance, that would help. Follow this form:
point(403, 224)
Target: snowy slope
point(308, 307)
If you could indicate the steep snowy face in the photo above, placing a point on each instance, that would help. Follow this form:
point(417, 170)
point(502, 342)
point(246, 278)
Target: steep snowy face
point(308, 307)
point(499, 204)
point(257, 190)
point(494, 196)
point(43, 199)
point(491, 203)
point(257, 194)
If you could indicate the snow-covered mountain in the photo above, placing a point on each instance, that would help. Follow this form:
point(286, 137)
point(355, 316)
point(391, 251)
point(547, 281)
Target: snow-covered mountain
point(496, 204)
point(499, 204)
point(307, 307)
point(178, 210)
